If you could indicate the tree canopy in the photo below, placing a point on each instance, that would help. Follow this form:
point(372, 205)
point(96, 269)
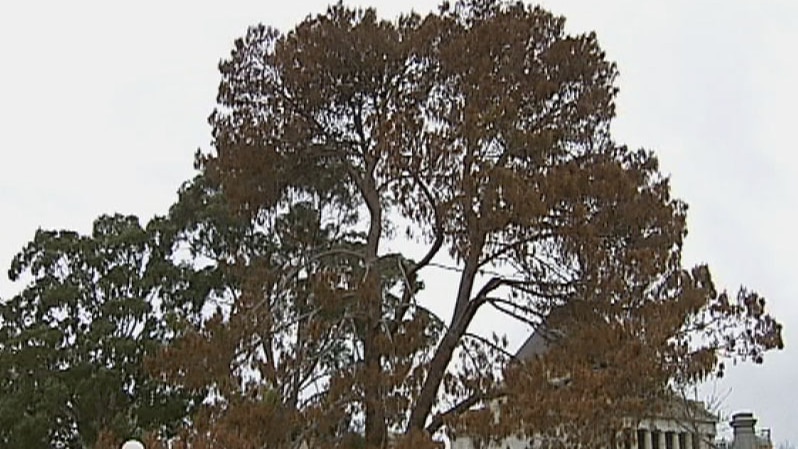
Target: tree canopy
point(74, 341)
point(479, 132)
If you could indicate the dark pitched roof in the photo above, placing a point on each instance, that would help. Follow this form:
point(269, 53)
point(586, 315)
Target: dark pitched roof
point(543, 337)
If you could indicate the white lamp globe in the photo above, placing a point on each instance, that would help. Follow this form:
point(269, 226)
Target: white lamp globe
point(132, 444)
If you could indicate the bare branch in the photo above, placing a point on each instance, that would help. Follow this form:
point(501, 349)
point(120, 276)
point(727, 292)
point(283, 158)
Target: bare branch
point(495, 302)
point(489, 343)
point(504, 249)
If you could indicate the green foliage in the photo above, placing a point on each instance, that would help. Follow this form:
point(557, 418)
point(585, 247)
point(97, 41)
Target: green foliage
point(74, 340)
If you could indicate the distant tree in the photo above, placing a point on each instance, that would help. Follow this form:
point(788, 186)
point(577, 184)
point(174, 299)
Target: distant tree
point(74, 340)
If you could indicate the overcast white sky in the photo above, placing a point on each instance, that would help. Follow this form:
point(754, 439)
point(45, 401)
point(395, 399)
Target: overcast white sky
point(102, 105)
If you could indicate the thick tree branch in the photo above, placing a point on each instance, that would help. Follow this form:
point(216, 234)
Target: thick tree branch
point(439, 236)
point(461, 319)
point(440, 418)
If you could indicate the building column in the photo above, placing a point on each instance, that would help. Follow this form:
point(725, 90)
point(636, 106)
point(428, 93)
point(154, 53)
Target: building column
point(662, 436)
point(688, 441)
point(677, 440)
point(647, 444)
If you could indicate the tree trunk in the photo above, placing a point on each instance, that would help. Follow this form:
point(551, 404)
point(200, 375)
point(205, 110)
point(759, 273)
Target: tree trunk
point(376, 428)
point(461, 318)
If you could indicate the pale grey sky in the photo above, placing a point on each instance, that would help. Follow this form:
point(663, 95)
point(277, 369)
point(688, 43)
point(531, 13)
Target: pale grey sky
point(102, 105)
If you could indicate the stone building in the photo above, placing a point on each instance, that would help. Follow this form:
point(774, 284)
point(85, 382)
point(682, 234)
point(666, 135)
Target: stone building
point(684, 425)
point(681, 424)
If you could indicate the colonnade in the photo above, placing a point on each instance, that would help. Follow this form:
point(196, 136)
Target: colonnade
point(665, 439)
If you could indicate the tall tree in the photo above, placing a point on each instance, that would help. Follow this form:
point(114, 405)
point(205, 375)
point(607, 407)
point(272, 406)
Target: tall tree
point(482, 131)
point(74, 340)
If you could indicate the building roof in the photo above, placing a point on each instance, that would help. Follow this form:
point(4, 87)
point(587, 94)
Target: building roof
point(543, 337)
point(546, 335)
